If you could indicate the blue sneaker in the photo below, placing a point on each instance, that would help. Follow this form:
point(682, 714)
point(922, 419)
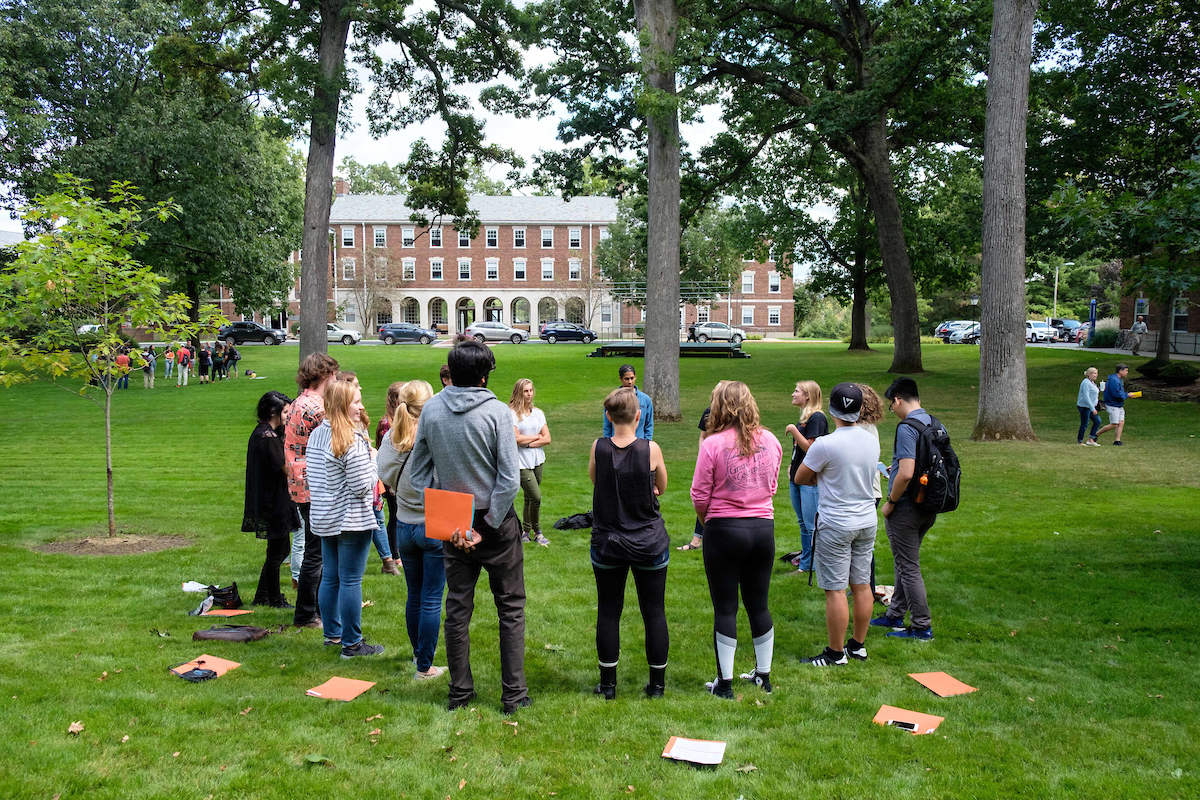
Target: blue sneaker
point(895, 623)
point(919, 634)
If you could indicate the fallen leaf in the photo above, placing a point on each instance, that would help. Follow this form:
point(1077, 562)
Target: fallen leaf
point(118, 672)
point(1012, 633)
point(104, 675)
point(375, 732)
point(458, 733)
point(368, 603)
point(163, 633)
point(454, 758)
point(315, 758)
point(125, 738)
point(1030, 699)
point(1178, 773)
point(555, 647)
point(629, 789)
point(514, 724)
point(377, 716)
point(758, 703)
point(746, 768)
point(175, 754)
point(222, 768)
point(1157, 696)
point(462, 783)
point(246, 710)
point(75, 728)
point(1119, 639)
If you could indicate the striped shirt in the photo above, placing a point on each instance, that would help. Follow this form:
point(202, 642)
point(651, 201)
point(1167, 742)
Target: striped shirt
point(341, 490)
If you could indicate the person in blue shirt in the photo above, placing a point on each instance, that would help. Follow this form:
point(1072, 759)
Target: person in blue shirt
point(1114, 398)
point(645, 426)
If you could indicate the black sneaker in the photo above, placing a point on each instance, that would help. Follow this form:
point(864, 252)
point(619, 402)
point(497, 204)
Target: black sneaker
point(828, 658)
point(512, 708)
point(361, 649)
point(760, 679)
point(1119, 443)
point(457, 704)
point(655, 689)
point(856, 650)
point(720, 687)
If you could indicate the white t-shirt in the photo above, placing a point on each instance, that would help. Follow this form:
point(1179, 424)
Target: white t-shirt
point(531, 425)
point(877, 487)
point(845, 465)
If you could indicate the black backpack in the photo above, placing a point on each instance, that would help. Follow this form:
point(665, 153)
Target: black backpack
point(937, 476)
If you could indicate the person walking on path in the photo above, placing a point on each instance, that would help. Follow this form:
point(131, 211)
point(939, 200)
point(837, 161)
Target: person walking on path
point(1114, 397)
point(1136, 333)
point(843, 463)
point(341, 481)
point(183, 365)
point(149, 364)
point(906, 523)
point(737, 473)
point(533, 434)
point(806, 497)
point(316, 374)
point(629, 475)
point(645, 429)
point(1087, 402)
point(465, 443)
point(269, 512)
point(423, 558)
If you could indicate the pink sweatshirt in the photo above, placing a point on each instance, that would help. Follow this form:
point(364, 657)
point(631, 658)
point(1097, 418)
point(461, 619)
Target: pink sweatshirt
point(725, 484)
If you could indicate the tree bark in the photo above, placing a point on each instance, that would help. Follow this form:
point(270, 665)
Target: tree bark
point(658, 23)
point(858, 305)
point(1166, 321)
point(193, 294)
point(318, 184)
point(1003, 387)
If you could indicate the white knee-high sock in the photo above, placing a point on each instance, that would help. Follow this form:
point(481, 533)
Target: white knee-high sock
point(726, 647)
point(764, 647)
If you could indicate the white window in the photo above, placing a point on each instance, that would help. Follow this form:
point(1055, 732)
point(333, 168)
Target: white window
point(774, 283)
point(643, 315)
point(773, 315)
point(464, 269)
point(349, 314)
point(381, 266)
point(348, 237)
point(493, 269)
point(291, 258)
point(381, 237)
point(518, 269)
point(603, 234)
point(547, 237)
point(464, 238)
point(702, 314)
point(349, 267)
point(410, 269)
point(519, 237)
point(747, 283)
point(606, 314)
point(435, 237)
point(575, 269)
point(435, 269)
point(575, 238)
point(1180, 310)
point(747, 315)
point(547, 269)
point(408, 238)
point(492, 238)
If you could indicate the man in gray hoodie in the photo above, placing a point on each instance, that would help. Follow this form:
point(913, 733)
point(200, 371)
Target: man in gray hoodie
point(466, 438)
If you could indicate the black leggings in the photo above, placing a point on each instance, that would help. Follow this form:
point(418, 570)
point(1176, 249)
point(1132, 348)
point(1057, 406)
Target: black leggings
point(393, 536)
point(610, 592)
point(739, 553)
point(268, 581)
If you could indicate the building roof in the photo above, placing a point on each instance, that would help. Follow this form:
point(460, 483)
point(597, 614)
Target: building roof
point(354, 208)
point(9, 238)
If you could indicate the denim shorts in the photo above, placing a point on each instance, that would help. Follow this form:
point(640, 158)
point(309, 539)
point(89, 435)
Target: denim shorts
point(658, 562)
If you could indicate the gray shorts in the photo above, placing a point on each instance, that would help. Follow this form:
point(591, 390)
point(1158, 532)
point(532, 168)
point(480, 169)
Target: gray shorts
point(842, 558)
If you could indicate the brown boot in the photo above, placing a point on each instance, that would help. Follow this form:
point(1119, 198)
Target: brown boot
point(295, 585)
point(389, 567)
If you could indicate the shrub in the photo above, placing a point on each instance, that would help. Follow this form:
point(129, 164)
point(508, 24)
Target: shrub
point(1108, 324)
point(1152, 368)
point(1103, 338)
point(753, 336)
point(1179, 373)
point(640, 330)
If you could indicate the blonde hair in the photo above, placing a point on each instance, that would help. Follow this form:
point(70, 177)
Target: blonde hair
point(1090, 370)
point(872, 406)
point(814, 402)
point(733, 407)
point(338, 398)
point(621, 405)
point(517, 401)
point(410, 401)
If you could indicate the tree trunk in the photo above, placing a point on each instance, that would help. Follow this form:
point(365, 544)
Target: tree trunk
point(858, 305)
point(874, 165)
point(318, 184)
point(1166, 321)
point(108, 390)
point(193, 294)
point(1003, 388)
point(658, 23)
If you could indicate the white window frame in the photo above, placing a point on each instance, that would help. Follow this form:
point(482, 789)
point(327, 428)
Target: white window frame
point(520, 269)
point(350, 312)
point(348, 236)
point(550, 239)
point(604, 234)
point(380, 233)
point(702, 313)
point(1176, 304)
point(437, 269)
point(747, 310)
point(574, 269)
point(747, 280)
point(435, 236)
point(464, 262)
point(643, 315)
point(349, 268)
point(409, 267)
point(519, 238)
point(575, 238)
point(408, 238)
point(774, 283)
point(774, 316)
point(381, 268)
point(464, 236)
point(606, 314)
point(548, 263)
point(491, 238)
point(492, 269)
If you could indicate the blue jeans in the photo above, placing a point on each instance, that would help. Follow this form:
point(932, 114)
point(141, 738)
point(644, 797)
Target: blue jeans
point(1086, 414)
point(379, 536)
point(123, 381)
point(804, 503)
point(340, 595)
point(425, 573)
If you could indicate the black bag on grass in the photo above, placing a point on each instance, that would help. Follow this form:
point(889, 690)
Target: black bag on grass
point(193, 675)
point(231, 633)
point(226, 597)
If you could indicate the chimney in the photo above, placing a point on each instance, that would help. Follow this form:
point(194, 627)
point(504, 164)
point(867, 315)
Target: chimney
point(339, 187)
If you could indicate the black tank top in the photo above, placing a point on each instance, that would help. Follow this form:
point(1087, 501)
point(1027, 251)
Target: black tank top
point(626, 523)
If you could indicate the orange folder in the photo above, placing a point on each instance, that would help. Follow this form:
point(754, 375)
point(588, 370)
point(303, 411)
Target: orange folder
point(226, 612)
point(446, 512)
point(912, 721)
point(941, 684)
point(217, 665)
point(340, 689)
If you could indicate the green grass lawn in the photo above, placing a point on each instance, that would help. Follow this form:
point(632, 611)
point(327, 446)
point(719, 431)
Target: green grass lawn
point(1060, 589)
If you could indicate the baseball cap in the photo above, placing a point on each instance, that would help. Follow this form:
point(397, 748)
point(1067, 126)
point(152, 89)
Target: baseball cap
point(845, 402)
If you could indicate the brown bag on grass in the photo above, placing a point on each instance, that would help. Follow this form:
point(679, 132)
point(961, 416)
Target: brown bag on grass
point(232, 633)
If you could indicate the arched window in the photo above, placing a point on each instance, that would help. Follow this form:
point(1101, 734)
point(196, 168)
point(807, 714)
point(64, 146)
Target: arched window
point(547, 309)
point(439, 313)
point(520, 311)
point(383, 311)
point(466, 313)
point(575, 310)
point(411, 311)
point(493, 310)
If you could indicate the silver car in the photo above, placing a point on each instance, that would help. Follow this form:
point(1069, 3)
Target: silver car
point(496, 332)
point(344, 335)
point(718, 330)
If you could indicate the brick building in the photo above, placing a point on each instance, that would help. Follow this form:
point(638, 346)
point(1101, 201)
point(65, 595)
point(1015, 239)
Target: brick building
point(1185, 321)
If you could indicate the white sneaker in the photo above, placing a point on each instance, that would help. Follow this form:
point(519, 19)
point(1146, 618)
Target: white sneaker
point(434, 672)
point(1091, 443)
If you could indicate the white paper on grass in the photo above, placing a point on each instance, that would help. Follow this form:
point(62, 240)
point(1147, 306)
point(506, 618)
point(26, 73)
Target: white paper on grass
point(696, 751)
point(195, 586)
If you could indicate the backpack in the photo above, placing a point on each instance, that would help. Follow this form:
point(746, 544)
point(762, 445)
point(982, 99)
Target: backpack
point(937, 476)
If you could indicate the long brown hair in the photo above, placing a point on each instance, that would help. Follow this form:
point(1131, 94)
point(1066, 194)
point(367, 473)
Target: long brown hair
point(872, 407)
point(338, 398)
point(409, 403)
point(733, 407)
point(517, 401)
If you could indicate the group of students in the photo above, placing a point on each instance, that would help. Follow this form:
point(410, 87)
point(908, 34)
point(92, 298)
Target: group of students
point(210, 362)
point(312, 470)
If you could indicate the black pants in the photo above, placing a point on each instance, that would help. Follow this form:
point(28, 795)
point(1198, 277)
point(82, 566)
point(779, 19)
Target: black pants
point(392, 537)
point(310, 574)
point(610, 594)
point(738, 554)
point(268, 580)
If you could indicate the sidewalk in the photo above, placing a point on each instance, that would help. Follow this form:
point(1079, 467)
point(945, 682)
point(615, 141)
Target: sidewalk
point(1108, 351)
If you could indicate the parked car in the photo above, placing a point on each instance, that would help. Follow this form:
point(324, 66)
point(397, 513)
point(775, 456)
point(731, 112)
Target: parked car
point(1039, 331)
point(1067, 329)
point(948, 327)
point(567, 332)
point(703, 331)
point(344, 335)
point(86, 329)
point(496, 332)
point(546, 322)
point(242, 332)
point(405, 332)
point(967, 335)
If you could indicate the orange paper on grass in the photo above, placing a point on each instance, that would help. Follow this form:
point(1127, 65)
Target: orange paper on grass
point(926, 723)
point(226, 612)
point(446, 512)
point(941, 684)
point(340, 689)
point(217, 665)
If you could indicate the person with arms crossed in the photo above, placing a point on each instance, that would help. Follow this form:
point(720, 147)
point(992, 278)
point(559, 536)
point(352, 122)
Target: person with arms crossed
point(805, 497)
point(533, 434)
point(645, 429)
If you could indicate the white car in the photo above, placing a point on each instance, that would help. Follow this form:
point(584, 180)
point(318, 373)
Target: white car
point(703, 331)
point(496, 332)
point(1039, 331)
point(343, 335)
point(967, 335)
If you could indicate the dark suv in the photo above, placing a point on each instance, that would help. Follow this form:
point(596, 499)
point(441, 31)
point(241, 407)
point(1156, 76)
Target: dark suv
point(567, 332)
point(405, 332)
point(242, 332)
